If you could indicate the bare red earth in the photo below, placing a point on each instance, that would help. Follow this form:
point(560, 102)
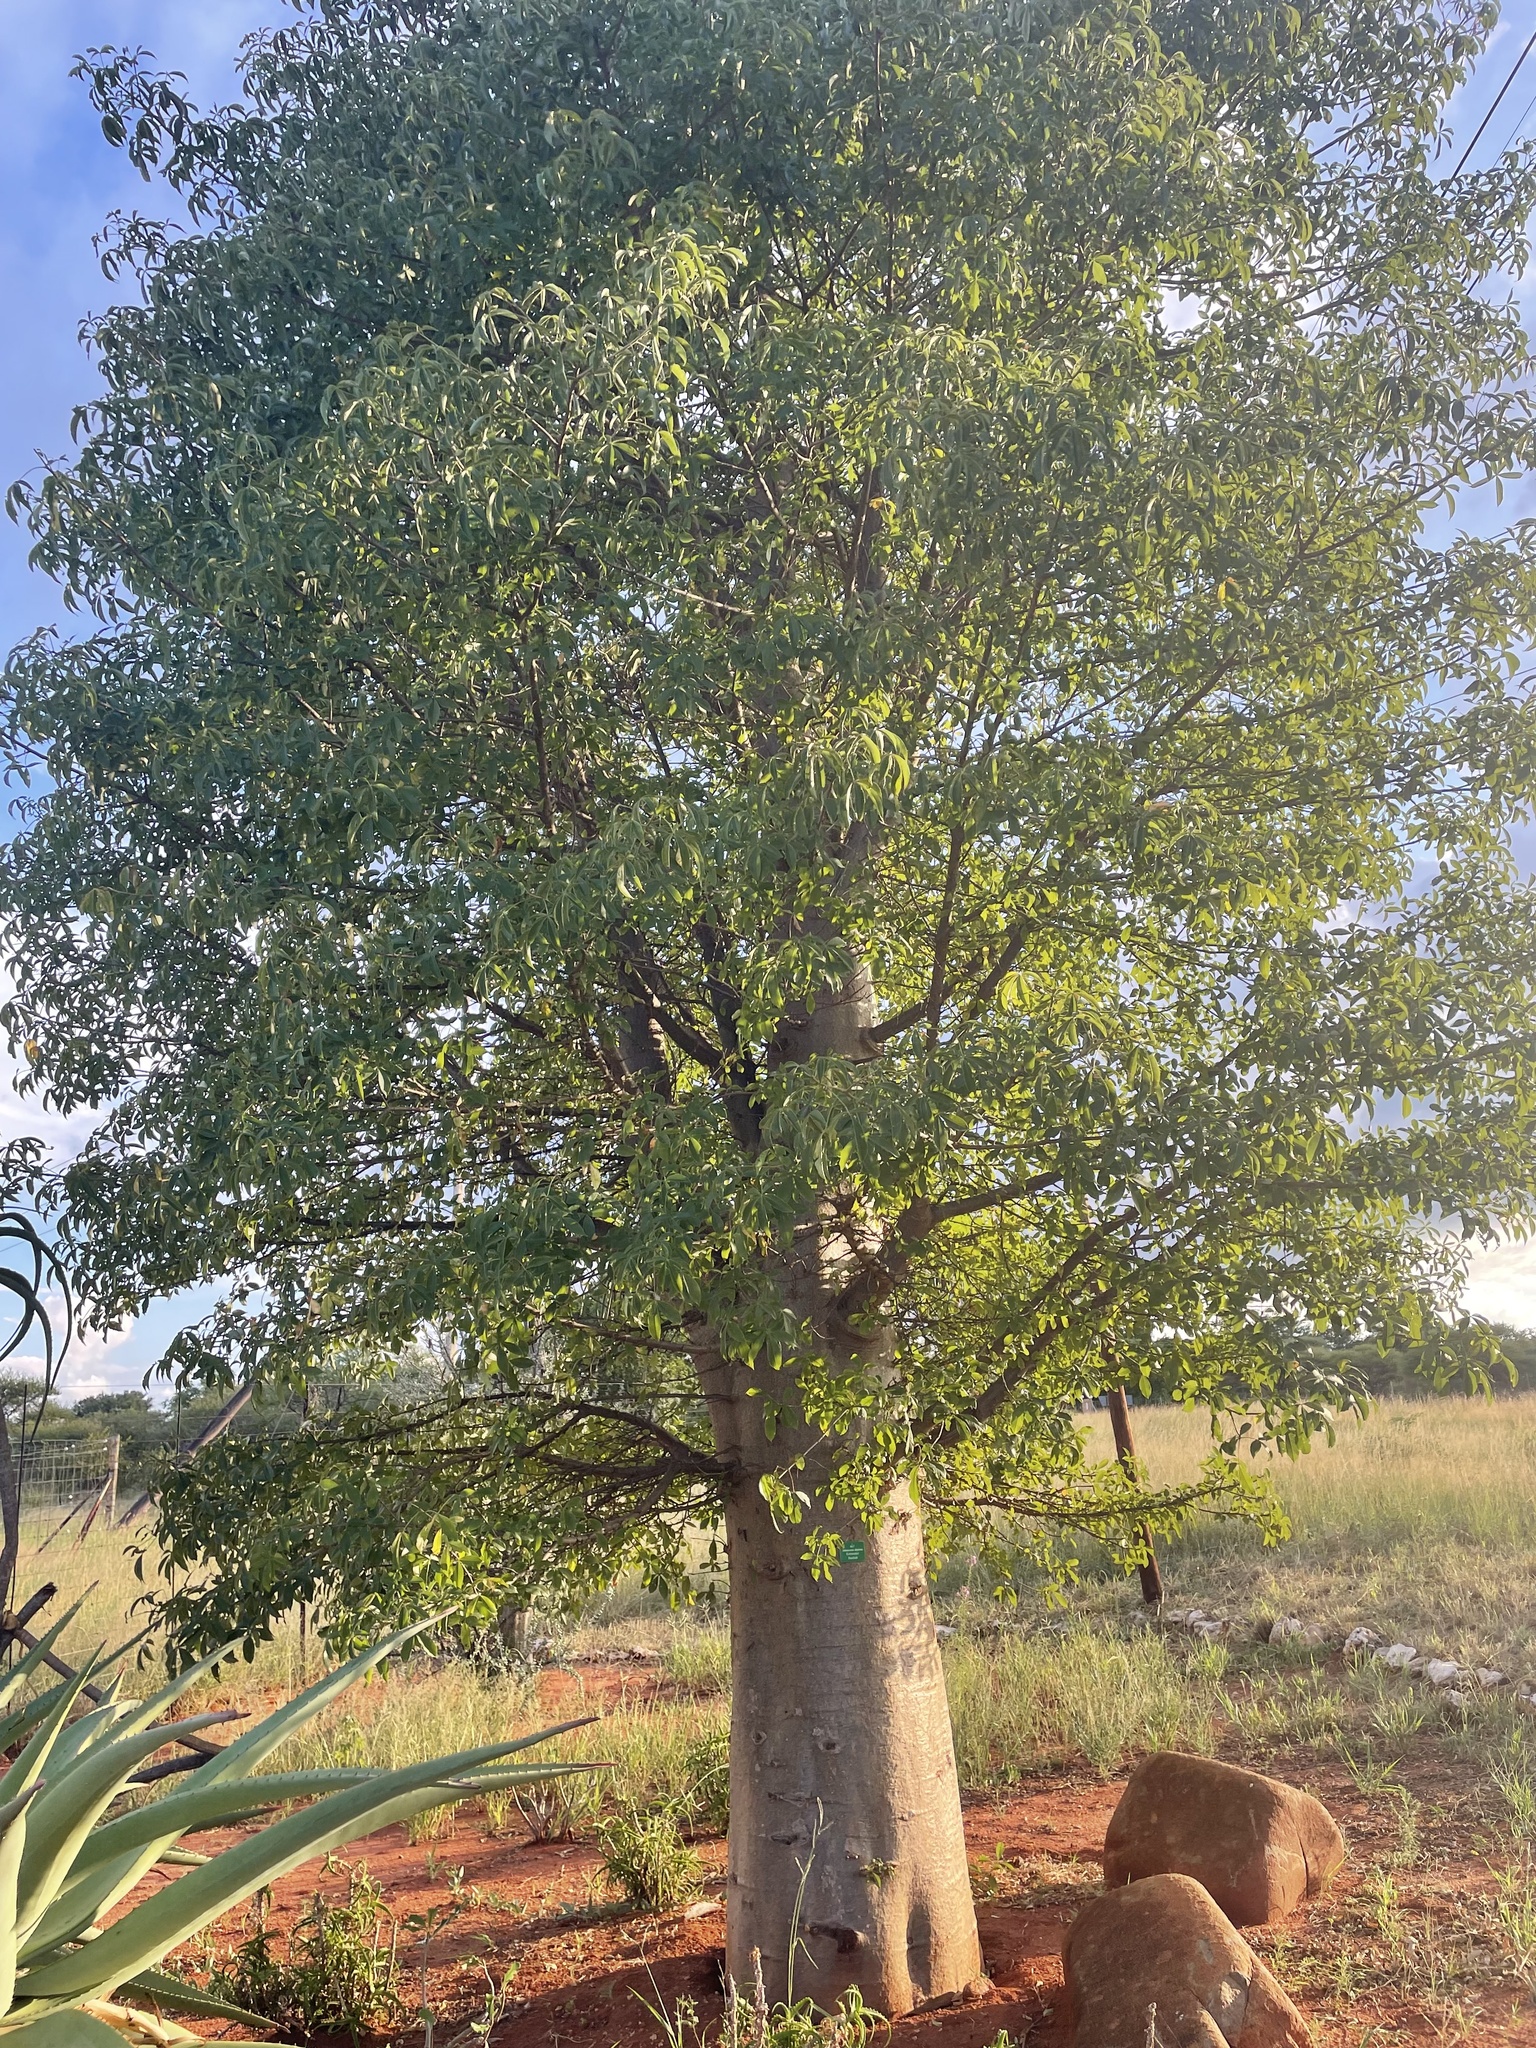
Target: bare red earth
point(587, 1971)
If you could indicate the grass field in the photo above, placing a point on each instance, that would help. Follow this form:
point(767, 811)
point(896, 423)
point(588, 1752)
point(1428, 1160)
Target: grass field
point(1420, 1522)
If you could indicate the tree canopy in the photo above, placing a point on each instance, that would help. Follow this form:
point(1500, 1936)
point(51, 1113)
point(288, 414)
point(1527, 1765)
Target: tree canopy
point(618, 539)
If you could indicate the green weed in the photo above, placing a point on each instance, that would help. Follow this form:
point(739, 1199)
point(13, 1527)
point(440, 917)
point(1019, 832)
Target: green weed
point(708, 1763)
point(1515, 1907)
point(750, 2022)
point(341, 1974)
point(1371, 1775)
point(646, 1860)
point(1406, 1850)
point(1512, 1775)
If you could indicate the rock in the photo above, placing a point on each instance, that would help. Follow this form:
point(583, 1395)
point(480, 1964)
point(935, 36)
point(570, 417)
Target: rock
point(1441, 1670)
point(1453, 1698)
point(1259, 1847)
point(1397, 1656)
point(1488, 1678)
point(1362, 1639)
point(1165, 1943)
point(1416, 1666)
point(1282, 1631)
point(700, 1908)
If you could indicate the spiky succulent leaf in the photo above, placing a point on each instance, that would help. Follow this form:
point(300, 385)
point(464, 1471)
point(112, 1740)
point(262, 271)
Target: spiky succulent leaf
point(63, 2030)
point(177, 1996)
point(13, 1837)
point(70, 1806)
point(142, 1937)
point(101, 1874)
point(62, 1865)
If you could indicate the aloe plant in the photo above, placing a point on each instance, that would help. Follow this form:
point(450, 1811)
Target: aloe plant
point(67, 1858)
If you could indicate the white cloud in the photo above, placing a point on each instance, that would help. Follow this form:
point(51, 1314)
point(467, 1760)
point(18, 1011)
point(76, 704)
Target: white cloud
point(1502, 1284)
point(94, 1364)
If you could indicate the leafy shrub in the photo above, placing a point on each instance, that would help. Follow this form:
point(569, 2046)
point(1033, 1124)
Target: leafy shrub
point(342, 1971)
point(646, 1860)
point(708, 1764)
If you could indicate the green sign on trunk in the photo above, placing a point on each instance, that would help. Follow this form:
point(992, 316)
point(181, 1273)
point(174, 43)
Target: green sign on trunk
point(850, 1552)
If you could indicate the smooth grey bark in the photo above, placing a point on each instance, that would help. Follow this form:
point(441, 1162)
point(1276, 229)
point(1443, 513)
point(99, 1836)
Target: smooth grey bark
point(842, 1773)
point(846, 1840)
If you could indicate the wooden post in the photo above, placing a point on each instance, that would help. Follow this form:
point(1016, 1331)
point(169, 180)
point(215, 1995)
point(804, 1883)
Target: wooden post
point(104, 1503)
point(512, 1627)
point(1125, 1451)
point(216, 1428)
point(109, 1505)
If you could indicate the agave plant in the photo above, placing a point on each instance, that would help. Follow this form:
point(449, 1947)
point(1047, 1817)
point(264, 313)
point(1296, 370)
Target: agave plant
point(66, 1858)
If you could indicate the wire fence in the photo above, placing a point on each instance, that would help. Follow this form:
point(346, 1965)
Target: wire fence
point(60, 1477)
point(55, 1473)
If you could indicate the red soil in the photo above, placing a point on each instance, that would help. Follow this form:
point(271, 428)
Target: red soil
point(585, 1970)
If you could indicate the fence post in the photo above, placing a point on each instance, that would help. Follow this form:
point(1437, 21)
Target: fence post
point(1125, 1450)
point(109, 1504)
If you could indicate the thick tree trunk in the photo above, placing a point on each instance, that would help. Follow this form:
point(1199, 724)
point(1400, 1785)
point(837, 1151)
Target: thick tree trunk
point(847, 1854)
point(842, 1772)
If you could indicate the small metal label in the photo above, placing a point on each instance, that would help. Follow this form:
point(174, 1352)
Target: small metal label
point(850, 1551)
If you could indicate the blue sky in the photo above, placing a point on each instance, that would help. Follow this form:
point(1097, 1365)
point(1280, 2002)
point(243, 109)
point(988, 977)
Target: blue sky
point(61, 180)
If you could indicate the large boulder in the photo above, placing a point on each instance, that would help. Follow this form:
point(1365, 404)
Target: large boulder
point(1161, 1954)
point(1258, 1847)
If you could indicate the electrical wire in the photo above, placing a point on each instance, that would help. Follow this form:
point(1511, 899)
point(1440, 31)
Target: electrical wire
point(1524, 117)
point(1504, 88)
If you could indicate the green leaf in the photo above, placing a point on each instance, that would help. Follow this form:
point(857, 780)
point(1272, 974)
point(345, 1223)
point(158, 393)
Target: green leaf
point(63, 2030)
point(175, 1995)
point(143, 1936)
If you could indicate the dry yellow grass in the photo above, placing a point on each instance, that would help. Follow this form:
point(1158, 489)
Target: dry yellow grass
point(99, 1574)
point(1420, 1521)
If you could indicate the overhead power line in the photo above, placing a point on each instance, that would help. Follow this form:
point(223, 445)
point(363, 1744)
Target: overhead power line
point(1504, 88)
point(1520, 124)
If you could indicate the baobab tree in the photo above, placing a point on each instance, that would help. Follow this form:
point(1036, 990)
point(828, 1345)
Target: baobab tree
point(773, 726)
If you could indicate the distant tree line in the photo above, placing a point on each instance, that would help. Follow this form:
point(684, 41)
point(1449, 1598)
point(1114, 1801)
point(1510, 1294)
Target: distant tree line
point(1393, 1372)
point(147, 1432)
point(1398, 1373)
